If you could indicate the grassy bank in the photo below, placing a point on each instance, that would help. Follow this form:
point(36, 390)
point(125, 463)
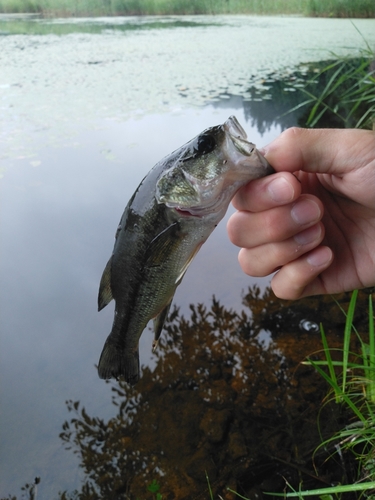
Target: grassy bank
point(324, 8)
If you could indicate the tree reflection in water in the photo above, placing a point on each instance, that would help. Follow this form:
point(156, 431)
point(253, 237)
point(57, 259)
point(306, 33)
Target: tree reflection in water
point(228, 397)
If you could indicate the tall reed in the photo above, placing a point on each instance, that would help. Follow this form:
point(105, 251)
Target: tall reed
point(333, 8)
point(342, 8)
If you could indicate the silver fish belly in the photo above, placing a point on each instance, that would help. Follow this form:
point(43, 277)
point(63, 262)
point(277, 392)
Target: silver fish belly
point(171, 214)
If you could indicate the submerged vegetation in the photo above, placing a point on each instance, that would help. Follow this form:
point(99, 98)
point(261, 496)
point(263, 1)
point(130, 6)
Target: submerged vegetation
point(326, 8)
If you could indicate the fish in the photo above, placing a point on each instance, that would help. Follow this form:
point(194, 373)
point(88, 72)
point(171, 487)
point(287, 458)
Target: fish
point(171, 214)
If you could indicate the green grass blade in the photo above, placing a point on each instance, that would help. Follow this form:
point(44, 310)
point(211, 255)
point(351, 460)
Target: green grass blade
point(209, 486)
point(371, 354)
point(328, 356)
point(371, 331)
point(334, 81)
point(343, 397)
point(368, 47)
point(313, 117)
point(365, 356)
point(328, 89)
point(295, 108)
point(347, 334)
point(363, 118)
point(237, 494)
point(347, 488)
point(352, 366)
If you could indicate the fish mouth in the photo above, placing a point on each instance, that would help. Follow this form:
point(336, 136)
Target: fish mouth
point(239, 147)
point(238, 137)
point(234, 128)
point(185, 212)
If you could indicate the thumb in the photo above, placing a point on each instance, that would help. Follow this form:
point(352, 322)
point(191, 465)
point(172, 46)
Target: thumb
point(330, 151)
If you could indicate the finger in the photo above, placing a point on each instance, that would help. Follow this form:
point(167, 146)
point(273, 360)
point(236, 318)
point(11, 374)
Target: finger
point(264, 259)
point(300, 278)
point(268, 192)
point(332, 151)
point(248, 230)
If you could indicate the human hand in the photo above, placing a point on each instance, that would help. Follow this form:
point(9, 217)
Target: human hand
point(314, 220)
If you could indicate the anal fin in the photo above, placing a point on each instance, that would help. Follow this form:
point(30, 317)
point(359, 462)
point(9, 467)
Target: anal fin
point(159, 323)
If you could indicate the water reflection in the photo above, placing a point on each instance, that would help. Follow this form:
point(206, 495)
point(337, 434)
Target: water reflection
point(267, 104)
point(219, 402)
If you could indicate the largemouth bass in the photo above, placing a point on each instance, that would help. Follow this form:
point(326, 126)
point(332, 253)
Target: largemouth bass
point(171, 214)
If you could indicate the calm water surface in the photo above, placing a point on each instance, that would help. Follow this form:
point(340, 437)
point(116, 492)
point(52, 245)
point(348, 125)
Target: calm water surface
point(87, 107)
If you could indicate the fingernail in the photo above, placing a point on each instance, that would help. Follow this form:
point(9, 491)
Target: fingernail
point(308, 235)
point(305, 211)
point(281, 190)
point(320, 257)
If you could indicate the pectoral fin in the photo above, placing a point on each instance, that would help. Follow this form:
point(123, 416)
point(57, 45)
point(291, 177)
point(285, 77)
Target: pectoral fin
point(162, 246)
point(105, 291)
point(187, 264)
point(159, 323)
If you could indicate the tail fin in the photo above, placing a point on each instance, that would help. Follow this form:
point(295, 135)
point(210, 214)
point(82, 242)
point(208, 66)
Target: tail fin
point(115, 362)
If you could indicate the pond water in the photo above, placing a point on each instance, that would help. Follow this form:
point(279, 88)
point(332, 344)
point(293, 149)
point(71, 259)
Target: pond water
point(87, 107)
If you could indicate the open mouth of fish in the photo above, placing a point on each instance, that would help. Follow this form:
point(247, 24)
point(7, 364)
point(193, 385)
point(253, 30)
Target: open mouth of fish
point(235, 130)
point(238, 137)
point(185, 212)
point(236, 162)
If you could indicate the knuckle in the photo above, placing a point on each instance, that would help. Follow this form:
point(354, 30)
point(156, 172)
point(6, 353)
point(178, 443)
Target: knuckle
point(248, 262)
point(285, 289)
point(257, 262)
point(272, 229)
point(292, 132)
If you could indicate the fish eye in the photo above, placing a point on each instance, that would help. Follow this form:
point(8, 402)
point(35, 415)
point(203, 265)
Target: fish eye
point(205, 144)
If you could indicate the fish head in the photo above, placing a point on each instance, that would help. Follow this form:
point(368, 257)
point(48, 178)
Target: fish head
point(205, 173)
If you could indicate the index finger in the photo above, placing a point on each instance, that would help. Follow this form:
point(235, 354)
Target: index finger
point(268, 192)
